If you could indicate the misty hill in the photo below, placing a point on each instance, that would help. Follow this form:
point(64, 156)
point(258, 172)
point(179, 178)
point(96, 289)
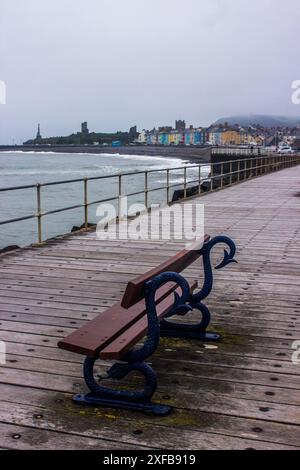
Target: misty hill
point(262, 120)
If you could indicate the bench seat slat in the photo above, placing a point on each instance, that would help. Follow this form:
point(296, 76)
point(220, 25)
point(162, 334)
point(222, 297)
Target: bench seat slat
point(98, 333)
point(123, 343)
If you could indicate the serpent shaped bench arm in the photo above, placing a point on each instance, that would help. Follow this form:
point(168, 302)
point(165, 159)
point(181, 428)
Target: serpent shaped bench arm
point(180, 307)
point(208, 272)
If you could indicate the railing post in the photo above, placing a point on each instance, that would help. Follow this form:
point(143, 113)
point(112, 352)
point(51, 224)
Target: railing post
point(184, 183)
point(212, 177)
point(119, 196)
point(146, 190)
point(265, 165)
point(85, 203)
point(168, 186)
point(261, 166)
point(199, 176)
point(230, 171)
point(184, 186)
point(222, 175)
point(239, 170)
point(39, 212)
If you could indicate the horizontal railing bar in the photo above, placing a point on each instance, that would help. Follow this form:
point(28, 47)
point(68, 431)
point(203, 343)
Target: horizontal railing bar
point(56, 211)
point(182, 184)
point(16, 188)
point(19, 219)
point(102, 200)
point(193, 181)
point(160, 188)
point(93, 178)
point(54, 183)
point(137, 193)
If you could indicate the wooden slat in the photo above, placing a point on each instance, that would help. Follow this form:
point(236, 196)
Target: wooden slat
point(92, 337)
point(98, 333)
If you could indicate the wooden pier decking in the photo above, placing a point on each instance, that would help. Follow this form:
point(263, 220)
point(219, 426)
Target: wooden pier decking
point(241, 394)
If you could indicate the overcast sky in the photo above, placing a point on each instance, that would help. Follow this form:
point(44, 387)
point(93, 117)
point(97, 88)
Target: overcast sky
point(117, 63)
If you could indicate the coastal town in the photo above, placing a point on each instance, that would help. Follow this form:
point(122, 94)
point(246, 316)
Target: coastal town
point(218, 134)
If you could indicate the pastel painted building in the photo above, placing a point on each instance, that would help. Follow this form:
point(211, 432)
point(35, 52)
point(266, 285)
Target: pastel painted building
point(215, 136)
point(163, 138)
point(199, 136)
point(152, 137)
point(173, 138)
point(160, 138)
point(180, 137)
point(230, 137)
point(189, 137)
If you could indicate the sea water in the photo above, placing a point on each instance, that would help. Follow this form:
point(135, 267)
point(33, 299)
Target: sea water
point(26, 168)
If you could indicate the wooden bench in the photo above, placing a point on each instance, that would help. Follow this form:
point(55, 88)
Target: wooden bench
point(147, 304)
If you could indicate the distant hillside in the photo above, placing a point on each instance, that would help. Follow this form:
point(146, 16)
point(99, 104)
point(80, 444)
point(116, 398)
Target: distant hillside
point(262, 120)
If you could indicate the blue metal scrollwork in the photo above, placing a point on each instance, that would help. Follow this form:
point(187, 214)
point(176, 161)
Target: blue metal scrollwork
point(208, 273)
point(131, 400)
point(153, 335)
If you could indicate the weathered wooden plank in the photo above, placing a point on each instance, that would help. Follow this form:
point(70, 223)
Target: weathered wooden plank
point(34, 433)
point(273, 392)
point(184, 399)
point(199, 371)
point(184, 348)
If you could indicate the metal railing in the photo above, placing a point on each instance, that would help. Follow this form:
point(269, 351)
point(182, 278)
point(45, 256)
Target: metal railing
point(223, 174)
point(237, 151)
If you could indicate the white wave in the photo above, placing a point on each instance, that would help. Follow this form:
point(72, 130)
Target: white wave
point(30, 152)
point(119, 155)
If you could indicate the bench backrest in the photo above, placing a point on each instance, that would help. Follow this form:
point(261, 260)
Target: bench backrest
point(135, 289)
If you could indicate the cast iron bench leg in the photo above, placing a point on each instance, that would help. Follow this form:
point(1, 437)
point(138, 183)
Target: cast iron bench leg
point(121, 399)
point(134, 361)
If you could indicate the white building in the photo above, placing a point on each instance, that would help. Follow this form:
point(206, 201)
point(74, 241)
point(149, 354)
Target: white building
point(142, 137)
